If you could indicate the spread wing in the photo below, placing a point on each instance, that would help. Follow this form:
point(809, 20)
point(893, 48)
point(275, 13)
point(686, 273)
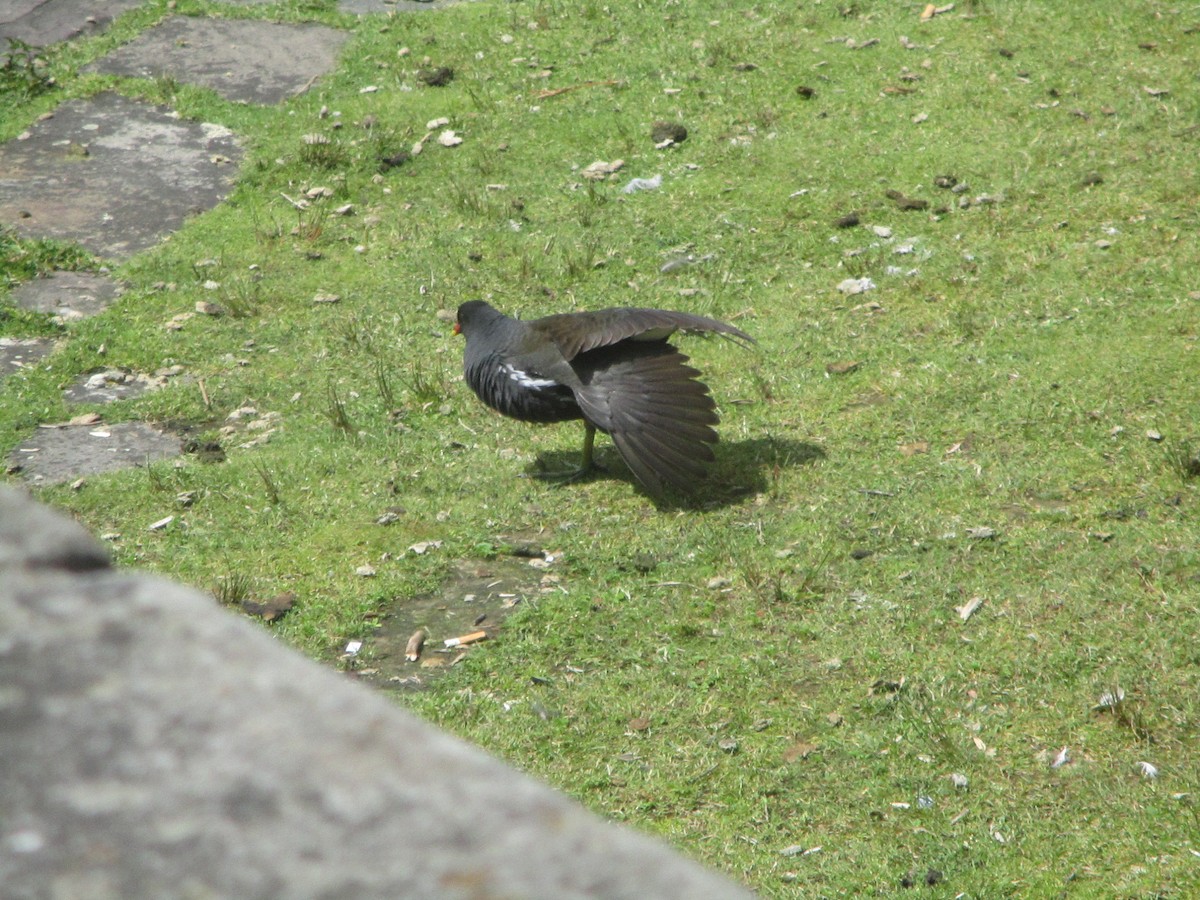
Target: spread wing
point(576, 333)
point(658, 413)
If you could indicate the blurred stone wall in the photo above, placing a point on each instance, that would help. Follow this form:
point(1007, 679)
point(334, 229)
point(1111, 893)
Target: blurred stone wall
point(154, 745)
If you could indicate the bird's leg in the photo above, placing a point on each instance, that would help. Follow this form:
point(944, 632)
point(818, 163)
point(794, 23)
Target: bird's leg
point(589, 442)
point(587, 465)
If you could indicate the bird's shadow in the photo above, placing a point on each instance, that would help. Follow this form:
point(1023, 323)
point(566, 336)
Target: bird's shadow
point(742, 469)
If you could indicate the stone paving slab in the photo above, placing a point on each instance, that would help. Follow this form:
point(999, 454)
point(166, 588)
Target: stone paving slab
point(18, 353)
point(110, 385)
point(249, 61)
point(68, 295)
point(43, 22)
point(113, 174)
point(62, 453)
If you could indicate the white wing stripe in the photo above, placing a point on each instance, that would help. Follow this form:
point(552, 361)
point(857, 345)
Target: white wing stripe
point(524, 379)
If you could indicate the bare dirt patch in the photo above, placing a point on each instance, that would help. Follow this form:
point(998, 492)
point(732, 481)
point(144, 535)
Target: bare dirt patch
point(477, 597)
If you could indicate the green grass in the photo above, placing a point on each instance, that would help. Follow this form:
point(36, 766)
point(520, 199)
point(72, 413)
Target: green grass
point(823, 690)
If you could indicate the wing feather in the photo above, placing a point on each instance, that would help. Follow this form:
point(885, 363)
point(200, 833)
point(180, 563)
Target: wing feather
point(576, 333)
point(659, 414)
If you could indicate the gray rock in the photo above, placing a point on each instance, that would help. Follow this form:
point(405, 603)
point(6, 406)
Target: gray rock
point(153, 745)
point(37, 539)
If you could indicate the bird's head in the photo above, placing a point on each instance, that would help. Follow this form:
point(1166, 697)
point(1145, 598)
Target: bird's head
point(473, 313)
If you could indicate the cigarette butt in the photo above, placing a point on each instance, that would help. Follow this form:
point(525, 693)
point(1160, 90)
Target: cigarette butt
point(412, 651)
point(465, 639)
point(929, 12)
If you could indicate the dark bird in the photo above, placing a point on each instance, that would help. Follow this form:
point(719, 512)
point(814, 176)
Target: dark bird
point(612, 368)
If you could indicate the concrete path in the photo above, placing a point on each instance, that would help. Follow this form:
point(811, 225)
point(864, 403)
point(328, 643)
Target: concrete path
point(117, 175)
point(17, 353)
point(112, 174)
point(249, 61)
point(68, 295)
point(63, 453)
point(43, 22)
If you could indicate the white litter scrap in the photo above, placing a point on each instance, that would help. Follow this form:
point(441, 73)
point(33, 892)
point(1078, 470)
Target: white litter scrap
point(642, 184)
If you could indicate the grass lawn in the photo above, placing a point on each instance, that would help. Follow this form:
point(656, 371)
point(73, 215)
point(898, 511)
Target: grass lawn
point(934, 620)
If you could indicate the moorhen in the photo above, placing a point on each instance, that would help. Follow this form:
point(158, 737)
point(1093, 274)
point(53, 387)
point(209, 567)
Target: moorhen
point(612, 368)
